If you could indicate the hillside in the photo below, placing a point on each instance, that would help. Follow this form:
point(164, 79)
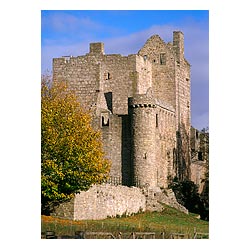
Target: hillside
point(170, 221)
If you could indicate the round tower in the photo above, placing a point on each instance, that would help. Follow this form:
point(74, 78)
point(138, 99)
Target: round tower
point(143, 124)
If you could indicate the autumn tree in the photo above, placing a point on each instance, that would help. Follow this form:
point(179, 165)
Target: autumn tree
point(72, 158)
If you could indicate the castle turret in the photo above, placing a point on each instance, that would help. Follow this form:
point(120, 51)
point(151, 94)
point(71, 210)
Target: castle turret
point(143, 124)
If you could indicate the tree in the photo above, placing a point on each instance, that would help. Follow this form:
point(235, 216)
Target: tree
point(205, 191)
point(186, 193)
point(72, 158)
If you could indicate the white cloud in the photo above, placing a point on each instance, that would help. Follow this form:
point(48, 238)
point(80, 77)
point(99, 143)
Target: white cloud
point(64, 22)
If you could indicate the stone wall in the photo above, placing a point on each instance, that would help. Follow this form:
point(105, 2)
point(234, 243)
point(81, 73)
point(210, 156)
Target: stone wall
point(183, 111)
point(165, 137)
point(140, 141)
point(162, 59)
point(199, 142)
point(171, 85)
point(82, 74)
point(155, 201)
point(102, 201)
point(197, 174)
point(65, 210)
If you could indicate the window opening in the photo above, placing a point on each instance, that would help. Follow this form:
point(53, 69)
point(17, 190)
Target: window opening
point(197, 135)
point(156, 120)
point(200, 156)
point(163, 59)
point(108, 76)
point(105, 123)
point(108, 98)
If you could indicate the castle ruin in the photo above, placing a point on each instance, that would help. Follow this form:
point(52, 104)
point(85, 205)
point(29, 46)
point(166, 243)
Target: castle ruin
point(141, 103)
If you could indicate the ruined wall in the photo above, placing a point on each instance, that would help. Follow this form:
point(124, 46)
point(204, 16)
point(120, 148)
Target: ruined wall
point(199, 142)
point(102, 201)
point(197, 174)
point(65, 210)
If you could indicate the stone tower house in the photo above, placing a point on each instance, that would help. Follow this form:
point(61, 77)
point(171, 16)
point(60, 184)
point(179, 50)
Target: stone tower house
point(141, 103)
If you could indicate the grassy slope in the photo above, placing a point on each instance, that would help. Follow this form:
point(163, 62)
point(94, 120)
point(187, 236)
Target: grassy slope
point(170, 220)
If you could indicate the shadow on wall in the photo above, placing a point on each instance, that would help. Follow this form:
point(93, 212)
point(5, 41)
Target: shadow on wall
point(183, 153)
point(126, 151)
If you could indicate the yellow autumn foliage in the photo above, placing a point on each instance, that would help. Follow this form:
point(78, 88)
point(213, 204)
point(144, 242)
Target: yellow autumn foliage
point(72, 157)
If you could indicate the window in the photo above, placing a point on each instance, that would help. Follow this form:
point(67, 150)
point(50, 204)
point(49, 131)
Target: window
point(105, 122)
point(156, 120)
point(197, 135)
point(107, 76)
point(108, 98)
point(163, 59)
point(200, 156)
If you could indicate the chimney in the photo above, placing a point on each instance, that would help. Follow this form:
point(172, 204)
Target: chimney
point(96, 48)
point(178, 43)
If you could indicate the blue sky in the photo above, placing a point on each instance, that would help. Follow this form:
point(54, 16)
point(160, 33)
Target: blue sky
point(125, 32)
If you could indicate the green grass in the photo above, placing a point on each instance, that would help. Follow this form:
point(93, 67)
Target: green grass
point(168, 221)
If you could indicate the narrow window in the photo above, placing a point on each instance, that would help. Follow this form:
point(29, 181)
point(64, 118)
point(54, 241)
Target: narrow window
point(156, 120)
point(105, 123)
point(145, 57)
point(200, 156)
point(163, 59)
point(197, 135)
point(108, 98)
point(107, 76)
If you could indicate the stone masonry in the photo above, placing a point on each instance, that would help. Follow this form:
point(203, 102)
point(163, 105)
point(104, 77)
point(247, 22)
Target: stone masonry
point(102, 201)
point(141, 103)
point(107, 200)
point(199, 143)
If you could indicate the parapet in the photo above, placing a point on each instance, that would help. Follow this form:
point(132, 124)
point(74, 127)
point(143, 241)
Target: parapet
point(142, 100)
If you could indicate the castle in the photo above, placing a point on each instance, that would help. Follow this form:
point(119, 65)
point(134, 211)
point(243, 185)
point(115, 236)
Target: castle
point(141, 103)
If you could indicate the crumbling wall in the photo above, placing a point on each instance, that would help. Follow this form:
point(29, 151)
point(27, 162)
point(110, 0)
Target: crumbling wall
point(102, 201)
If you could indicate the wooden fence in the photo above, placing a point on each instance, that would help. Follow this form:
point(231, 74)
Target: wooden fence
point(120, 235)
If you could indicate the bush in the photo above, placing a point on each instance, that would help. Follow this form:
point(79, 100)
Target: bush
point(186, 193)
